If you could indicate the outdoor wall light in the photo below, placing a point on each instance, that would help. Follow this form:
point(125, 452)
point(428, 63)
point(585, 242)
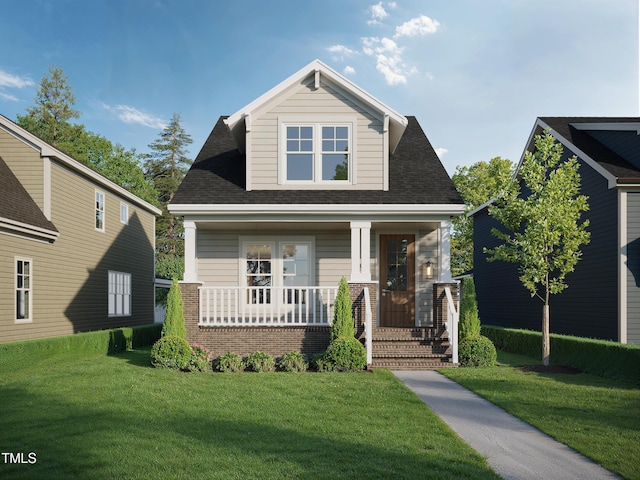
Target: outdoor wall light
point(427, 270)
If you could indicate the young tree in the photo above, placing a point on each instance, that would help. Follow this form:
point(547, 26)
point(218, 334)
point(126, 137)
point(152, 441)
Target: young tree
point(477, 184)
point(49, 118)
point(166, 166)
point(544, 224)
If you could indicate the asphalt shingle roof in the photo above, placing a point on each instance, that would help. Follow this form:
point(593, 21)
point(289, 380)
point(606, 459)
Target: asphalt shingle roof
point(416, 176)
point(609, 160)
point(17, 204)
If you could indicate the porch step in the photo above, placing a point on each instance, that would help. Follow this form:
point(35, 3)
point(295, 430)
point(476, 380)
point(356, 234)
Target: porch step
point(420, 348)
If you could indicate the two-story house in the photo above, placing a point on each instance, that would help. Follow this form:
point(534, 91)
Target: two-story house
point(76, 250)
point(314, 181)
point(603, 297)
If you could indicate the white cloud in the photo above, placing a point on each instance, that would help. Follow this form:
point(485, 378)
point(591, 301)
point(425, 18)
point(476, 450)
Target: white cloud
point(421, 25)
point(13, 81)
point(349, 70)
point(377, 13)
point(388, 58)
point(441, 152)
point(6, 96)
point(340, 52)
point(129, 114)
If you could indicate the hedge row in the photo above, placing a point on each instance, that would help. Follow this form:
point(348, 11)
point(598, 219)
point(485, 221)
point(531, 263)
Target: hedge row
point(599, 357)
point(100, 341)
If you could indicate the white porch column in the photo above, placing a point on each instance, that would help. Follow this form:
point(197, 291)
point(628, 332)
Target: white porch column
point(445, 251)
point(360, 252)
point(190, 273)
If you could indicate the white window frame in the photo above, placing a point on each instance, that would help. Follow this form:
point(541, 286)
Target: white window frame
point(124, 213)
point(119, 294)
point(98, 210)
point(316, 122)
point(17, 289)
point(277, 262)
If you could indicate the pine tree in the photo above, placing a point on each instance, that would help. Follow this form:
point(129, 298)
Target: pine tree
point(166, 166)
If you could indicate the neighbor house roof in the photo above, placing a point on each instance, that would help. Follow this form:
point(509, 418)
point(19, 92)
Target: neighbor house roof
point(18, 211)
point(217, 176)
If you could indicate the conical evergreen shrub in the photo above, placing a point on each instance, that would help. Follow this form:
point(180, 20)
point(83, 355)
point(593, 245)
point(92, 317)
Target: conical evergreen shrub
point(469, 325)
point(343, 325)
point(174, 320)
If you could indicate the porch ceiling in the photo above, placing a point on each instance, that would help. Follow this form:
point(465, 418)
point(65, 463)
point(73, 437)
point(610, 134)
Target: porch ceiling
point(282, 226)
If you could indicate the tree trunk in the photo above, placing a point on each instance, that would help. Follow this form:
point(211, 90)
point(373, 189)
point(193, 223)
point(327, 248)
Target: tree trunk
point(546, 343)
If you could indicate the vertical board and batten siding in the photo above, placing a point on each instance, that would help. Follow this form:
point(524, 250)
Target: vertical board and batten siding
point(324, 101)
point(70, 276)
point(589, 306)
point(633, 267)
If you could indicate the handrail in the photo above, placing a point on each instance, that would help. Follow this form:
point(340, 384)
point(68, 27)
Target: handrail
point(368, 326)
point(452, 324)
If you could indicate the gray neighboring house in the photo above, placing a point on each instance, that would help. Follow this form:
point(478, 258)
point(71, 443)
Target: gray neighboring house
point(314, 181)
point(76, 250)
point(603, 298)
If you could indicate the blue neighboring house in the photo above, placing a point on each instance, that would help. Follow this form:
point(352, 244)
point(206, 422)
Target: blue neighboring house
point(603, 298)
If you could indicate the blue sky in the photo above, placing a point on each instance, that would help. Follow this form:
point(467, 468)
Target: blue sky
point(476, 74)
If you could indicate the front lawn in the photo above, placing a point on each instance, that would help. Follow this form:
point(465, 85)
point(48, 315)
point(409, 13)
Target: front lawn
point(597, 417)
point(106, 417)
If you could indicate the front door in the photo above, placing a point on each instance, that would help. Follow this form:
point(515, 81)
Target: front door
point(397, 280)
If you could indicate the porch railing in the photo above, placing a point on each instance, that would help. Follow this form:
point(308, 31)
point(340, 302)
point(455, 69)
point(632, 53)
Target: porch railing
point(452, 324)
point(368, 326)
point(266, 306)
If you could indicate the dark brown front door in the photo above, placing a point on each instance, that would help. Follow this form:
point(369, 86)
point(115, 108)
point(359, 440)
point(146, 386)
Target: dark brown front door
point(397, 280)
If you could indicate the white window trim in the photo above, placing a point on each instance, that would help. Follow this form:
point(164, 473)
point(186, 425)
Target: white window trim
point(124, 208)
point(104, 210)
point(277, 263)
point(317, 122)
point(126, 295)
point(15, 290)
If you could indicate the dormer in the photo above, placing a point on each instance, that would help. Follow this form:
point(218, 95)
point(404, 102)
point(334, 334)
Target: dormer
point(317, 130)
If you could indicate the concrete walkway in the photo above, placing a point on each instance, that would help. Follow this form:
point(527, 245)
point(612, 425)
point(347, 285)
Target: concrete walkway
point(513, 448)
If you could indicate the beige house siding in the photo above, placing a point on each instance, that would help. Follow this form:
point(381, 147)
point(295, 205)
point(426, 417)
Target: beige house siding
point(328, 104)
point(70, 275)
point(26, 165)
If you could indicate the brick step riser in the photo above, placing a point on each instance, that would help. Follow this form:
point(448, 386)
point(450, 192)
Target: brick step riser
point(412, 365)
point(410, 343)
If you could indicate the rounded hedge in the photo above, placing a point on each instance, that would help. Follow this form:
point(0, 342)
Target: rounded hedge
point(229, 363)
point(346, 354)
point(477, 351)
point(260, 362)
point(293, 362)
point(171, 352)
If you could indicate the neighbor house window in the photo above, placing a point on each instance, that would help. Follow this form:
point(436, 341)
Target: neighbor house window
point(24, 286)
point(119, 294)
point(318, 153)
point(285, 264)
point(99, 211)
point(124, 213)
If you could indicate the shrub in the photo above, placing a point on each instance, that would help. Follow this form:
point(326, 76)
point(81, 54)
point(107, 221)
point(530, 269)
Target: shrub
point(171, 352)
point(229, 363)
point(477, 351)
point(469, 325)
point(320, 363)
point(200, 360)
point(342, 325)
point(261, 362)
point(174, 319)
point(293, 362)
point(346, 354)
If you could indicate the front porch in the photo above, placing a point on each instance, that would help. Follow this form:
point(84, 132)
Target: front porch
point(239, 319)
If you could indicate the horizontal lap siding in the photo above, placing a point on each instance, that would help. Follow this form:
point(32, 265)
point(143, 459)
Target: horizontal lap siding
point(324, 101)
point(633, 267)
point(588, 307)
point(70, 282)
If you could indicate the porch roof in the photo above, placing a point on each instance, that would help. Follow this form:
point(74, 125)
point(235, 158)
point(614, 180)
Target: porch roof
point(217, 177)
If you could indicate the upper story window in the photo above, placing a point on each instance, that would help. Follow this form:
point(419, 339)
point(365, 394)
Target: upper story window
point(99, 211)
point(318, 153)
point(124, 213)
point(23, 289)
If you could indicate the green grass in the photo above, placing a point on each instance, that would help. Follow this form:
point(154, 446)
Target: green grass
point(106, 417)
point(597, 417)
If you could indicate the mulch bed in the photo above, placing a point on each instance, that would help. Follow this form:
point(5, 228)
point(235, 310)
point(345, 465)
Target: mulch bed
point(552, 369)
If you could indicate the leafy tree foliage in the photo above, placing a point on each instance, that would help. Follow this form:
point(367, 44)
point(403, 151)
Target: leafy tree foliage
point(49, 120)
point(477, 184)
point(543, 223)
point(166, 166)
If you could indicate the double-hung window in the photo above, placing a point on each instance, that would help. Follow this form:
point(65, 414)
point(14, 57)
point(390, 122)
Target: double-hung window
point(119, 294)
point(285, 265)
point(99, 211)
point(24, 285)
point(317, 153)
